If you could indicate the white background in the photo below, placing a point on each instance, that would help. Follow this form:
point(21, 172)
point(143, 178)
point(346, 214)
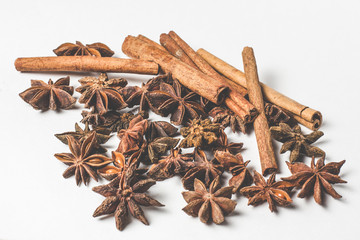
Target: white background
point(308, 50)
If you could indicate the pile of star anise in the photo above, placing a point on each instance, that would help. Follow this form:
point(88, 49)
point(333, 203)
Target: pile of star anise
point(150, 151)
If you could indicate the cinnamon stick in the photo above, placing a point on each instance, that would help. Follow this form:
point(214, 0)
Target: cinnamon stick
point(236, 93)
point(151, 42)
point(190, 77)
point(85, 64)
point(261, 126)
point(307, 116)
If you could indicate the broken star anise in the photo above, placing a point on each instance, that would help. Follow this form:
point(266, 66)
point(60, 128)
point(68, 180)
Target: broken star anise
point(226, 117)
point(151, 151)
point(54, 96)
point(160, 129)
point(296, 142)
point(316, 179)
point(102, 135)
point(175, 163)
point(235, 164)
point(223, 145)
point(81, 161)
point(210, 205)
point(170, 100)
point(102, 93)
point(275, 193)
point(79, 49)
point(135, 95)
point(199, 133)
point(204, 170)
point(132, 138)
point(124, 195)
point(275, 114)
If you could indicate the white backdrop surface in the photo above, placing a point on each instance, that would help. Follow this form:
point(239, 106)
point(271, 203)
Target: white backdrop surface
point(308, 50)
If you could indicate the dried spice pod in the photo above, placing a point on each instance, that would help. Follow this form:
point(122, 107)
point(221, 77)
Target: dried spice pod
point(153, 150)
point(54, 96)
point(276, 115)
point(296, 142)
point(79, 49)
point(81, 161)
point(102, 93)
point(160, 129)
point(132, 138)
point(125, 194)
point(235, 164)
point(275, 193)
point(175, 163)
point(227, 118)
point(102, 135)
point(121, 165)
point(135, 95)
point(223, 145)
point(204, 170)
point(209, 206)
point(316, 179)
point(199, 133)
point(170, 100)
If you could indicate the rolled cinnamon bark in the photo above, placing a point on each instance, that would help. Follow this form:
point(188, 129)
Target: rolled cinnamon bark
point(236, 93)
point(190, 77)
point(311, 118)
point(85, 64)
point(261, 126)
point(151, 42)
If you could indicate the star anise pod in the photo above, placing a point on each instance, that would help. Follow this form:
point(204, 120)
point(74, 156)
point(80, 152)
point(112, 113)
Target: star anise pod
point(160, 129)
point(235, 164)
point(132, 138)
point(102, 135)
point(204, 170)
point(125, 194)
point(170, 100)
point(209, 206)
point(175, 163)
point(199, 133)
point(226, 117)
point(275, 193)
point(296, 142)
point(54, 96)
point(79, 49)
point(151, 151)
point(206, 104)
point(316, 179)
point(275, 114)
point(81, 161)
point(121, 165)
point(102, 93)
point(223, 145)
point(135, 95)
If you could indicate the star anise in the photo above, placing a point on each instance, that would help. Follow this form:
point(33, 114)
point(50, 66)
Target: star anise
point(125, 194)
point(135, 95)
point(235, 164)
point(132, 138)
point(81, 161)
point(210, 205)
point(226, 117)
point(160, 129)
point(170, 100)
point(203, 169)
point(296, 142)
point(199, 133)
point(54, 96)
point(151, 151)
point(275, 193)
point(175, 163)
point(102, 135)
point(79, 49)
point(121, 165)
point(102, 93)
point(223, 145)
point(275, 114)
point(316, 179)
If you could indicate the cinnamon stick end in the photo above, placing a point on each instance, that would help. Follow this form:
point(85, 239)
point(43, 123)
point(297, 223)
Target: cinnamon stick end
point(268, 171)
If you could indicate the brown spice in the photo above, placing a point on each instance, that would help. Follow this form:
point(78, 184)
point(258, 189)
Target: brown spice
point(78, 49)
